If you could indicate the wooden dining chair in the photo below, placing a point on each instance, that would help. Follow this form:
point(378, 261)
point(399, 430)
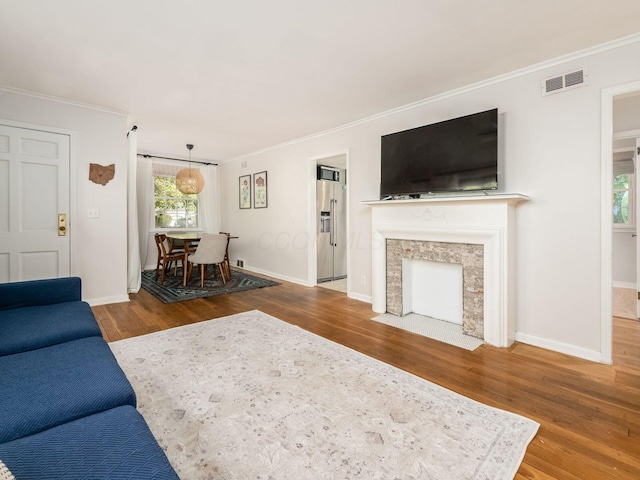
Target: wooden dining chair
point(167, 256)
point(211, 251)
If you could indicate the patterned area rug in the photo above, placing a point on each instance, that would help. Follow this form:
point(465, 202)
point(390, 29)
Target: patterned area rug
point(172, 290)
point(250, 396)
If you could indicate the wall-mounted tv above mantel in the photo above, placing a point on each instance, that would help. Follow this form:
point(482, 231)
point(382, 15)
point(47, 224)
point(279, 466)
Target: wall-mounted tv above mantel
point(455, 155)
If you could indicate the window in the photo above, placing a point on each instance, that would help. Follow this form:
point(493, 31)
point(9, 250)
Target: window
point(173, 209)
point(623, 200)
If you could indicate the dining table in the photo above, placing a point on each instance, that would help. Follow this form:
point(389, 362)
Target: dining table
point(189, 241)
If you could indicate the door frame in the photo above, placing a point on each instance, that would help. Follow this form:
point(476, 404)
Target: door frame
point(312, 250)
point(72, 224)
point(606, 217)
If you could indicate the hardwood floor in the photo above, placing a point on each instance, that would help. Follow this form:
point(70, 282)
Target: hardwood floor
point(589, 413)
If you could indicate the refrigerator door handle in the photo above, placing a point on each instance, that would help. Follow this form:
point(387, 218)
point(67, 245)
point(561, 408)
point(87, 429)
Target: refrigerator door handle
point(332, 222)
point(335, 223)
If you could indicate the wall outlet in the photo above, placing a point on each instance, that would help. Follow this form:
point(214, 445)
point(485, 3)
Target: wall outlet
point(94, 213)
point(363, 279)
point(240, 263)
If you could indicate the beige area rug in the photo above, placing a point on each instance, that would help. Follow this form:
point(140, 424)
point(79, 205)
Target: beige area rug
point(252, 397)
point(624, 303)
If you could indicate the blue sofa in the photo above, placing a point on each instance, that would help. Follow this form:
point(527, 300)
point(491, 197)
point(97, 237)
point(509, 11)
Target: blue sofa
point(67, 410)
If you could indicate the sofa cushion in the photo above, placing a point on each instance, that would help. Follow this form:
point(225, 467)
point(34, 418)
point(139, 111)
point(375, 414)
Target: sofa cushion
point(43, 388)
point(115, 444)
point(28, 328)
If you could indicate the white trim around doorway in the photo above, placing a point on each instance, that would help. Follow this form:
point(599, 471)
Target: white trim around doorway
point(606, 221)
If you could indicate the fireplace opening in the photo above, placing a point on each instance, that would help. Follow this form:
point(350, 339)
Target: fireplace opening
point(432, 289)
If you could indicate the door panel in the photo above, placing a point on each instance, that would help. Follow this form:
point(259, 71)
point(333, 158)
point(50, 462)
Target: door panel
point(36, 265)
point(4, 267)
point(4, 195)
point(34, 189)
point(38, 181)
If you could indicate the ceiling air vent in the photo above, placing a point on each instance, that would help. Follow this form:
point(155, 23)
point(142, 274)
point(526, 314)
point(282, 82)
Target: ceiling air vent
point(564, 82)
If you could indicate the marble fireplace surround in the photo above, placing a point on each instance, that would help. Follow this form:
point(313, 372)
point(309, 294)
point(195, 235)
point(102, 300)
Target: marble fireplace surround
point(486, 220)
point(468, 255)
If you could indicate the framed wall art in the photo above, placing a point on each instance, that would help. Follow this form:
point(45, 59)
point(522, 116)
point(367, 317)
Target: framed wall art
point(260, 190)
point(244, 192)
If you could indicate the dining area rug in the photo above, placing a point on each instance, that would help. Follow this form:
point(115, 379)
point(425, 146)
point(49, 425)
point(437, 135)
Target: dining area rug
point(251, 396)
point(172, 289)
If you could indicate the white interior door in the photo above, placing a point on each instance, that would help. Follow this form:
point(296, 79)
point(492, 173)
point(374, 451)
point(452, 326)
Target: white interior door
point(34, 190)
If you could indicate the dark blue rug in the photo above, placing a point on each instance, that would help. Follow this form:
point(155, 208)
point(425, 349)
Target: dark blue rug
point(173, 291)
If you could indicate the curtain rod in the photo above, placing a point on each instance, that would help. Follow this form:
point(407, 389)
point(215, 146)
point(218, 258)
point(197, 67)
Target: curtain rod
point(177, 159)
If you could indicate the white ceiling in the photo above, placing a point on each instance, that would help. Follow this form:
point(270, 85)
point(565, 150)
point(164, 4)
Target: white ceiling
point(234, 77)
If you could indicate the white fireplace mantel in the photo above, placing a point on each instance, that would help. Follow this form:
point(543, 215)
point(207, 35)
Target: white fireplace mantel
point(478, 219)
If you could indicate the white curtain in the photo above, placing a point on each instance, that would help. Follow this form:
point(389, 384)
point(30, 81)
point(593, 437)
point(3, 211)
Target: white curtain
point(133, 244)
point(145, 205)
point(209, 200)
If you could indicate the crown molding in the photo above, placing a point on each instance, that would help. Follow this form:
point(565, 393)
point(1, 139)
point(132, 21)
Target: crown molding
point(66, 101)
point(621, 42)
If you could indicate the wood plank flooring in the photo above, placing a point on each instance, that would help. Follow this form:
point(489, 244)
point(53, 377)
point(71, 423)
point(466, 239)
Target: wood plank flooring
point(589, 413)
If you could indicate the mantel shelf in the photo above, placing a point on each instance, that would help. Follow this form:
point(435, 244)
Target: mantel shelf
point(494, 197)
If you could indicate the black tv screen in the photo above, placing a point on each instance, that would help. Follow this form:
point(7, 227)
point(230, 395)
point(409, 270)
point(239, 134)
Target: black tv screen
point(455, 155)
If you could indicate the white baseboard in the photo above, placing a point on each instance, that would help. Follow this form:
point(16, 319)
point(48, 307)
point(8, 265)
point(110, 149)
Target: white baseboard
point(591, 355)
point(107, 300)
point(355, 296)
point(629, 285)
point(304, 283)
point(275, 275)
point(362, 298)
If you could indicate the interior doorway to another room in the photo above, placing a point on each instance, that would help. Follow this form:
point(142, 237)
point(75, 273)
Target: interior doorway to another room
point(620, 265)
point(329, 251)
point(625, 142)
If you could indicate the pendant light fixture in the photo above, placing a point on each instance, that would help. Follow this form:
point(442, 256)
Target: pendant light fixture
point(189, 180)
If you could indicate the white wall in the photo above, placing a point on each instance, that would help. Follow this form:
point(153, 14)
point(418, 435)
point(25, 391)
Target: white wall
point(98, 246)
point(551, 153)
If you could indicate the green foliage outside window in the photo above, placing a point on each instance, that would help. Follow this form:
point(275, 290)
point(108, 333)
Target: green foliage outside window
point(173, 209)
point(621, 207)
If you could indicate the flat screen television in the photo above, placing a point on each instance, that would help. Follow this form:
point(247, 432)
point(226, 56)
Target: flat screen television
point(455, 155)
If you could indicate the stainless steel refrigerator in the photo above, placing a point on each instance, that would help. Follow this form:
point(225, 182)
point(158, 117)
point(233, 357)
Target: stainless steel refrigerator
point(332, 223)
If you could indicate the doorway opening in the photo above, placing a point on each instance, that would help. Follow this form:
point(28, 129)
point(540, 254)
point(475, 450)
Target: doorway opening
point(329, 220)
point(626, 142)
point(619, 122)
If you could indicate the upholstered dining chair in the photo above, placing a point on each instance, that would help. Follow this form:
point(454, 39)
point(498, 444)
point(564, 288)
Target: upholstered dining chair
point(227, 265)
point(166, 256)
point(211, 251)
